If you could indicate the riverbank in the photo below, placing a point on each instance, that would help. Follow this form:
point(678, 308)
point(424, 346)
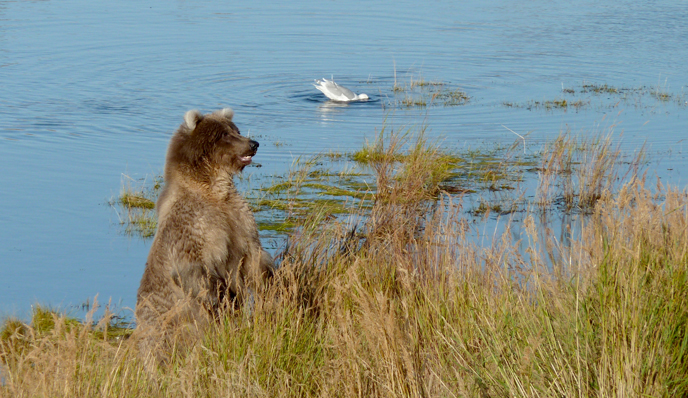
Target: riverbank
point(399, 301)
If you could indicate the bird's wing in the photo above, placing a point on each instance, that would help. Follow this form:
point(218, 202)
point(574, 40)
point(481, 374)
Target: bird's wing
point(334, 91)
point(325, 88)
point(342, 90)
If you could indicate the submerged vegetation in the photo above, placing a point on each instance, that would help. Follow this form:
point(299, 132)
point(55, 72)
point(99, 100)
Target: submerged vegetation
point(399, 301)
point(419, 92)
point(549, 104)
point(605, 96)
point(347, 185)
point(573, 174)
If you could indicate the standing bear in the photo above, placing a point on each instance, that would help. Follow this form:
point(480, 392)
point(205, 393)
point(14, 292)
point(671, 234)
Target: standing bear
point(206, 252)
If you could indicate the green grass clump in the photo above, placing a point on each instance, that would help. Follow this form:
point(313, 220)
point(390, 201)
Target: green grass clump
point(134, 201)
point(280, 226)
point(136, 206)
point(43, 319)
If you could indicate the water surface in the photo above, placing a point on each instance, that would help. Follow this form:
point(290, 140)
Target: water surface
point(92, 90)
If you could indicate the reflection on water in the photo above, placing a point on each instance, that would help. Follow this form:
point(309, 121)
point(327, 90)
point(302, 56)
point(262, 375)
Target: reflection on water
point(330, 109)
point(91, 90)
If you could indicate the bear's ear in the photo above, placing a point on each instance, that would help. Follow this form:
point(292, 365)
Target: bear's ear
point(227, 113)
point(191, 118)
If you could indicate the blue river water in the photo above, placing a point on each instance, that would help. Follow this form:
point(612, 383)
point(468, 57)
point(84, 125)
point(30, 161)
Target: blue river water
point(92, 90)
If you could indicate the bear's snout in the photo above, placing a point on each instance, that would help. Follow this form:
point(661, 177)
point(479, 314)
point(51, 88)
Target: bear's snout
point(253, 145)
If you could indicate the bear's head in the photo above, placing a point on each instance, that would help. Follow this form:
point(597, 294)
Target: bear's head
point(208, 147)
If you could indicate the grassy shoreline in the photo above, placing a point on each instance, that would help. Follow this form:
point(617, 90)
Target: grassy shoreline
point(405, 304)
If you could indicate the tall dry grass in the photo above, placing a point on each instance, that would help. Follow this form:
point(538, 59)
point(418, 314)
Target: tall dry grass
point(576, 172)
point(405, 305)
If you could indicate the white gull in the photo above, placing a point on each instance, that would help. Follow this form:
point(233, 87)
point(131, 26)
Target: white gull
point(336, 92)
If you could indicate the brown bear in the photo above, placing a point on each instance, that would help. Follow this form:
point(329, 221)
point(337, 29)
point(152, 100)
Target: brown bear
point(206, 252)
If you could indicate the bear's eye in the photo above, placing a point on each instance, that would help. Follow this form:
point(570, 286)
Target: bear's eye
point(228, 133)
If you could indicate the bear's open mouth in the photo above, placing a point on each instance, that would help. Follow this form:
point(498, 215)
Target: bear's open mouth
point(245, 159)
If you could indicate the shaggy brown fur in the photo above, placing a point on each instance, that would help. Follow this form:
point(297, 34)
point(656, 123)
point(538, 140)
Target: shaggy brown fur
point(206, 250)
